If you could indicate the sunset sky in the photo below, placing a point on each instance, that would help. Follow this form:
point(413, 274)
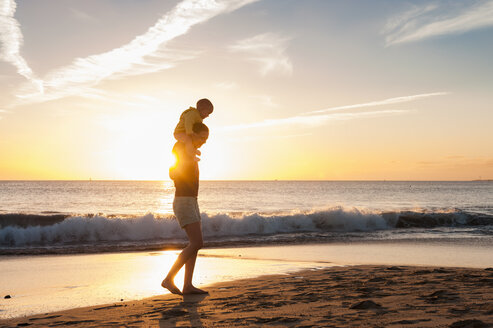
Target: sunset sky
point(312, 89)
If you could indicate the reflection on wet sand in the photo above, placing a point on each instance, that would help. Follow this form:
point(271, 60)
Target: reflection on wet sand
point(185, 312)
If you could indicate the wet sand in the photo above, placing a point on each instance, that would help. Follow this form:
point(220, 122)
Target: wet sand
point(352, 296)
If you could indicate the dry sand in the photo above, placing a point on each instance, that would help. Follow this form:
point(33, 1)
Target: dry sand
point(354, 296)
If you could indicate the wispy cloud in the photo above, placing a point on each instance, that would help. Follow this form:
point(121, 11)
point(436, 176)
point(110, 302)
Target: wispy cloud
point(11, 40)
point(268, 51)
point(266, 101)
point(143, 54)
point(82, 16)
point(2, 111)
point(313, 120)
point(248, 138)
point(123, 100)
point(430, 20)
point(226, 85)
point(320, 117)
point(388, 101)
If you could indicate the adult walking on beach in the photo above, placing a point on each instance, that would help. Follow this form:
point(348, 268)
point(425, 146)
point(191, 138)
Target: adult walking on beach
point(185, 175)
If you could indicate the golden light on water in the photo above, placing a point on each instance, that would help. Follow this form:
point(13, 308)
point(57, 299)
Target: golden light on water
point(159, 264)
point(166, 200)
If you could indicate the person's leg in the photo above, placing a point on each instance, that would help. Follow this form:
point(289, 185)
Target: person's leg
point(188, 287)
point(194, 232)
point(189, 266)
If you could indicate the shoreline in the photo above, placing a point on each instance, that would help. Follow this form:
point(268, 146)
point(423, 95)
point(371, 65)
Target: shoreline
point(78, 250)
point(63, 282)
point(370, 295)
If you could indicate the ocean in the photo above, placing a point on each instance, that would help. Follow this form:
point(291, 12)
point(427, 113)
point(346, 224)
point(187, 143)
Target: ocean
point(83, 243)
point(67, 217)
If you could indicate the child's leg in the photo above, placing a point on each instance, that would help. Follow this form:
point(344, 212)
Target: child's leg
point(183, 137)
point(187, 140)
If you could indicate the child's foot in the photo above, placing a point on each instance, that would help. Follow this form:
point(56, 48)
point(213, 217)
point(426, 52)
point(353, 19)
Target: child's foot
point(193, 290)
point(170, 285)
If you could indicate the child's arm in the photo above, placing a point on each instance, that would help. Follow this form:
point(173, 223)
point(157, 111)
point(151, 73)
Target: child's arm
point(183, 137)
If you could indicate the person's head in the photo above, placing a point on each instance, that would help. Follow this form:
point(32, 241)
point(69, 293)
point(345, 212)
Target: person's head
point(201, 134)
point(205, 107)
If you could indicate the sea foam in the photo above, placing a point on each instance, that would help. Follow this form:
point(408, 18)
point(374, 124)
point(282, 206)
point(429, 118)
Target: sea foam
point(90, 229)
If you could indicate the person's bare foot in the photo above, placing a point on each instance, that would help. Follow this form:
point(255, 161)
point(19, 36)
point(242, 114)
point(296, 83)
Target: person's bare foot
point(193, 290)
point(170, 285)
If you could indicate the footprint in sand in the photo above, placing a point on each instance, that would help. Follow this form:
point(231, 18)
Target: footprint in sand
point(366, 305)
point(440, 296)
point(473, 323)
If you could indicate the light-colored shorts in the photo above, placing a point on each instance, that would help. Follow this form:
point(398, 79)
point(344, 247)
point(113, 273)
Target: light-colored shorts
point(186, 210)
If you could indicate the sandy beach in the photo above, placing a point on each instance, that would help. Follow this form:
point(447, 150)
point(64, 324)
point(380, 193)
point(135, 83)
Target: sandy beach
point(350, 296)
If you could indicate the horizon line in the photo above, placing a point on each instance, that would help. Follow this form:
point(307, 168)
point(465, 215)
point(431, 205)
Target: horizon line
point(246, 180)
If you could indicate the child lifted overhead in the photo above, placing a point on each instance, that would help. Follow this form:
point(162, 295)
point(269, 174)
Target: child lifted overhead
point(184, 128)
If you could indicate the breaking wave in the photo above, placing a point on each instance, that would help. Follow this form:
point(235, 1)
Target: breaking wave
point(23, 232)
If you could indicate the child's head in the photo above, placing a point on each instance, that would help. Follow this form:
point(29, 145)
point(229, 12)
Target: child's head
point(205, 107)
point(201, 134)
